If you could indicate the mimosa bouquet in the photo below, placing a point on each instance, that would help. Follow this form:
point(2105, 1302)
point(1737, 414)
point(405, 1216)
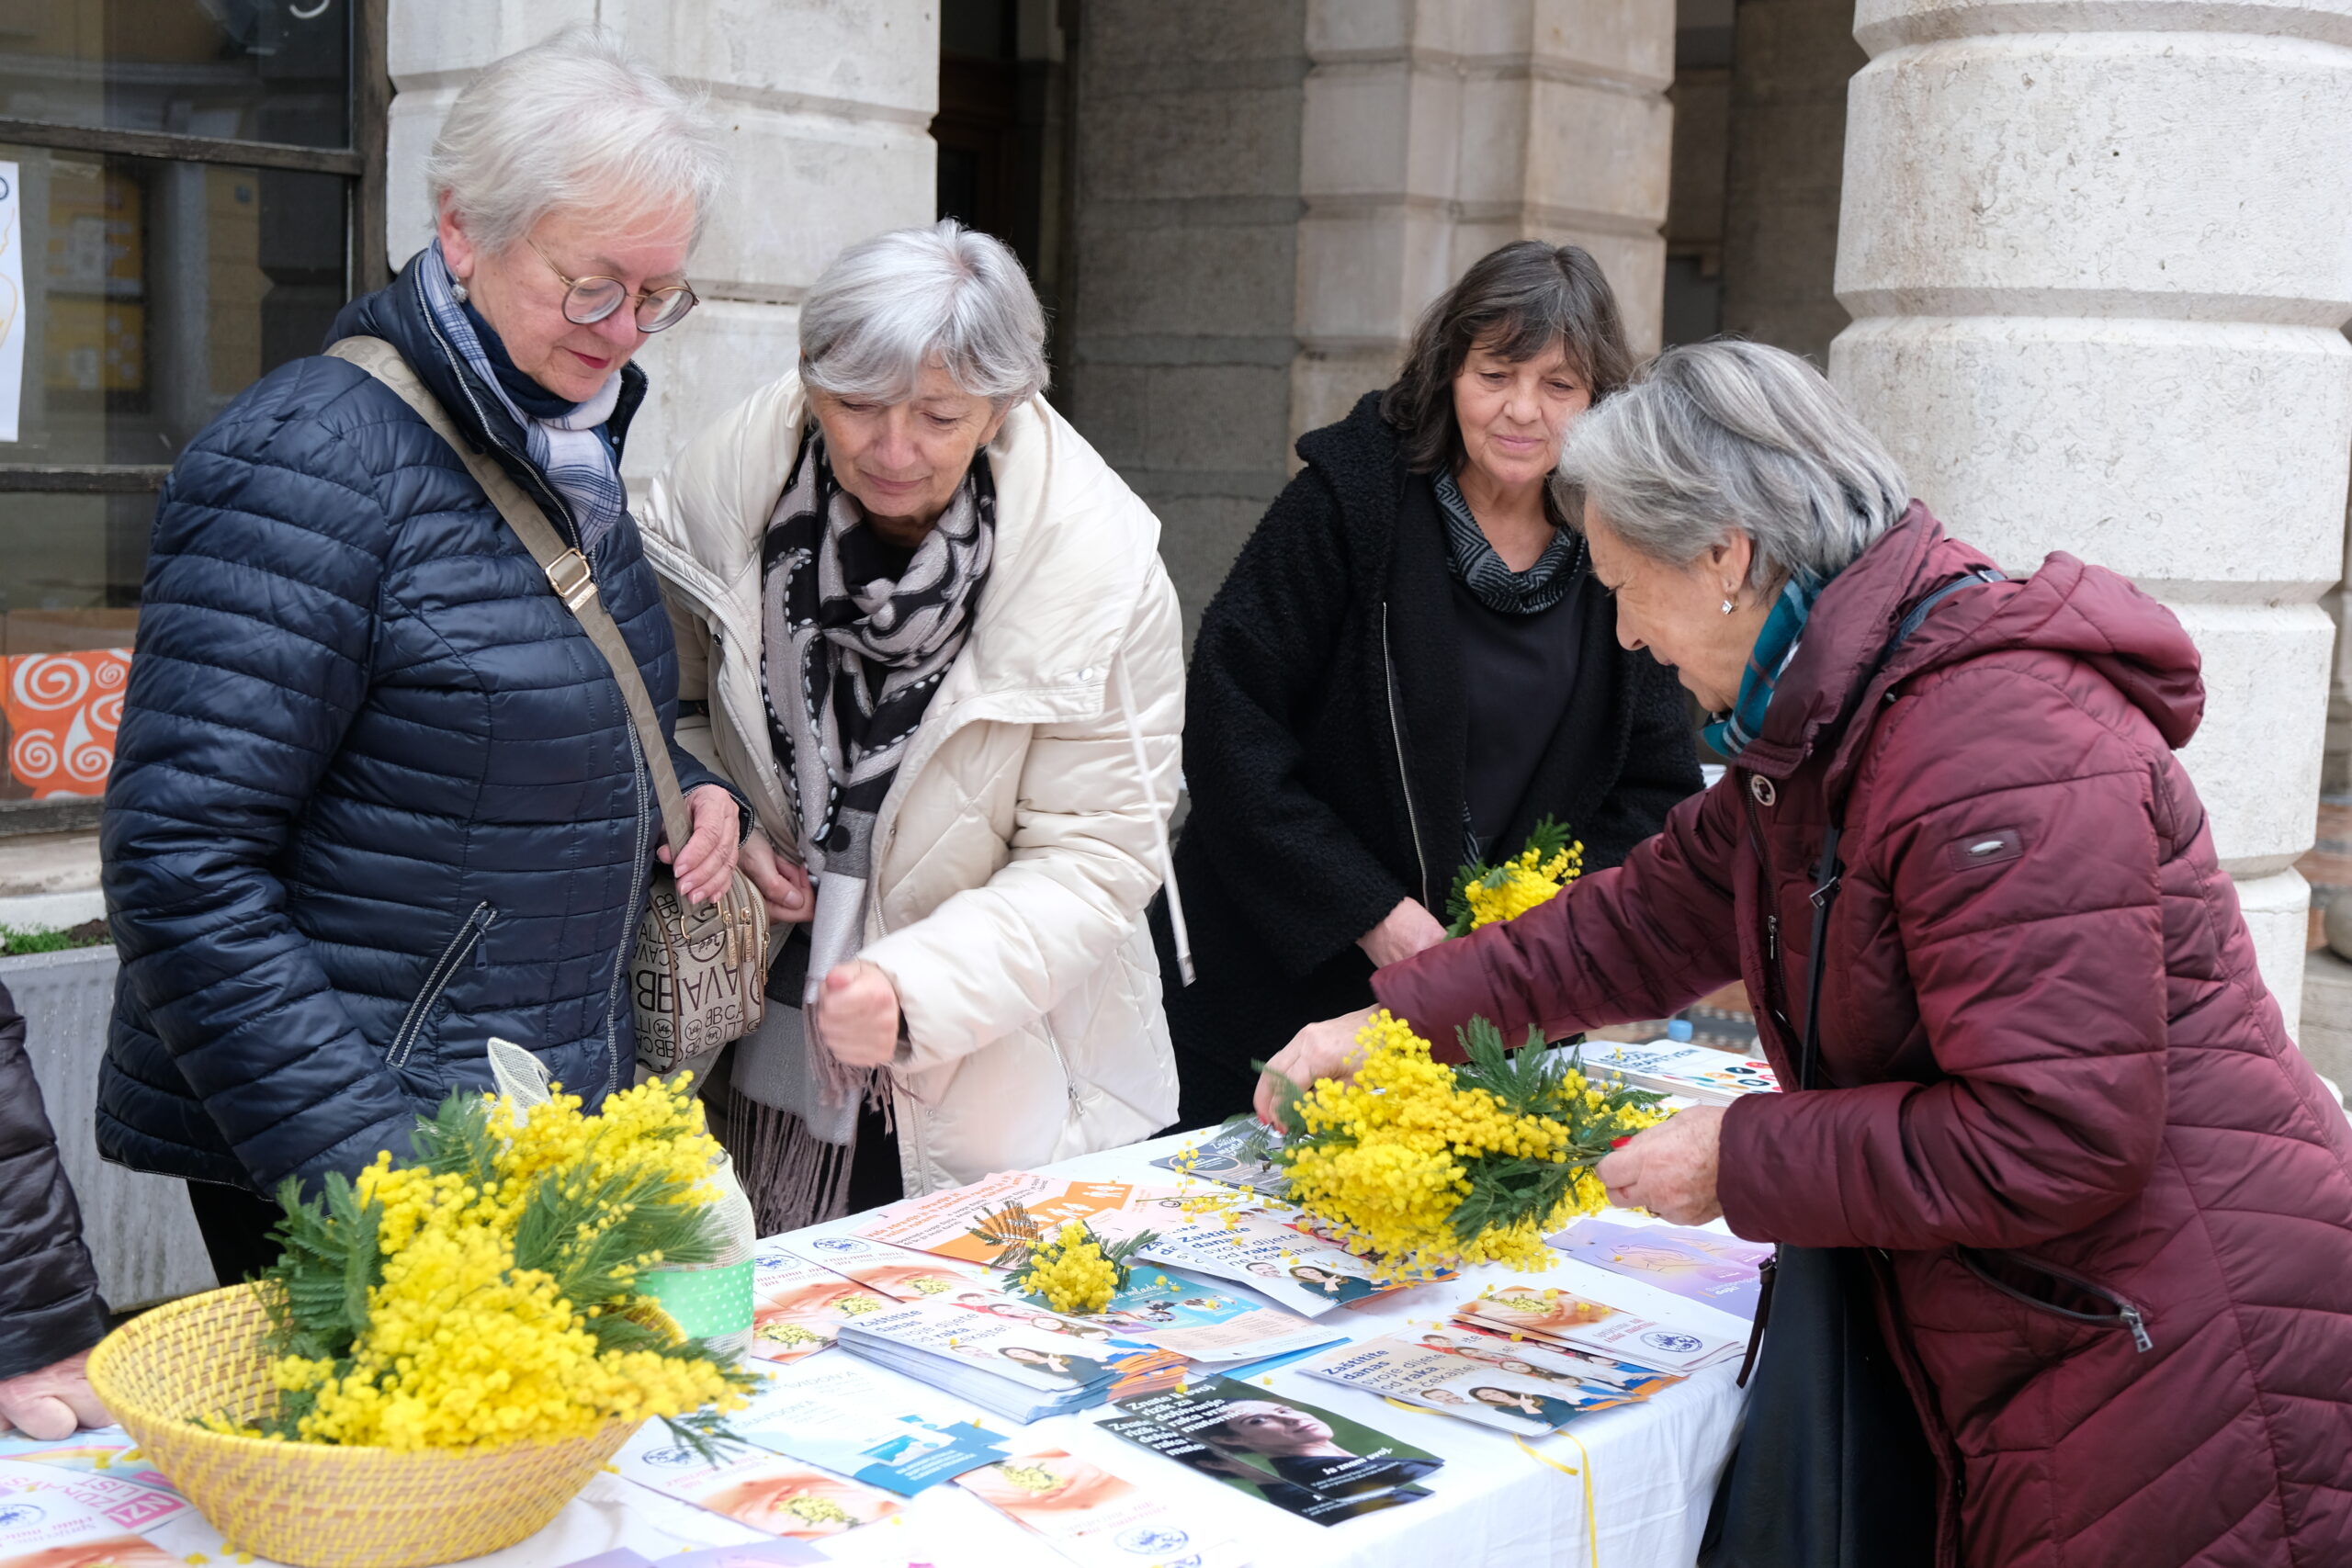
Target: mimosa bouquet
point(1427, 1166)
point(1071, 1270)
point(494, 1288)
point(1484, 894)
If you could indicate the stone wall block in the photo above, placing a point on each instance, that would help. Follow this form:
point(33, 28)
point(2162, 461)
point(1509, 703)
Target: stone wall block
point(1221, 134)
point(2255, 758)
point(1620, 37)
point(1882, 25)
point(2101, 174)
point(1159, 279)
point(699, 369)
point(1366, 274)
point(2277, 910)
point(1357, 130)
point(1601, 151)
point(868, 56)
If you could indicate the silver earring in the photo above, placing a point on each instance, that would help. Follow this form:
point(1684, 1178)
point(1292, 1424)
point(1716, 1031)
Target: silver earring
point(458, 290)
point(1729, 606)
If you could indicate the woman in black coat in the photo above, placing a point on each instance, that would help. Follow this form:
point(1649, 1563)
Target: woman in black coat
point(1409, 666)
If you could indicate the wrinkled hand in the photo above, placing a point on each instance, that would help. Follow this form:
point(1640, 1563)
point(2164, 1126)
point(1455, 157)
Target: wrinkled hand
point(783, 883)
point(1325, 1050)
point(1403, 931)
point(1669, 1169)
point(51, 1403)
point(708, 865)
point(857, 1014)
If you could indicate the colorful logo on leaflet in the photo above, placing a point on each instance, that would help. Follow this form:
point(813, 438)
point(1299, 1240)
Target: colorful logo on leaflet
point(63, 710)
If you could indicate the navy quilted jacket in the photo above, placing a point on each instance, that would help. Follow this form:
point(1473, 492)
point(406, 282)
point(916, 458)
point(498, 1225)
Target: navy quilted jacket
point(375, 796)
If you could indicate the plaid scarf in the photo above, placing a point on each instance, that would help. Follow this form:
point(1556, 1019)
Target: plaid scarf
point(569, 448)
point(1775, 646)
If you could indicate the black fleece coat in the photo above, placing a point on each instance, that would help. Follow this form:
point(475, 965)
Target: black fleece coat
point(1324, 740)
point(48, 1293)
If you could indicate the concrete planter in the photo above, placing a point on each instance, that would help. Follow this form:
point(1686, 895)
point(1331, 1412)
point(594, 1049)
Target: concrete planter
point(138, 1226)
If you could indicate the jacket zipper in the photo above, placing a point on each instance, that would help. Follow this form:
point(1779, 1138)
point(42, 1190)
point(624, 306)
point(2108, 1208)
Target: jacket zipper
point(2125, 1314)
point(1773, 987)
point(1397, 731)
point(437, 980)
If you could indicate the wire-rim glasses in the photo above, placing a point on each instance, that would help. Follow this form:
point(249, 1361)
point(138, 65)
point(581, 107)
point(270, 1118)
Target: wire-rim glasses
point(587, 301)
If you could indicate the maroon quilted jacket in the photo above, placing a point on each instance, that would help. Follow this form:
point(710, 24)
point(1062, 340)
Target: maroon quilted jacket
point(2058, 1082)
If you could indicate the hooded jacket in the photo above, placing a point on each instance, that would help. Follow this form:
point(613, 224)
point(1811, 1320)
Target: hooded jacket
point(2109, 1204)
point(1022, 836)
point(376, 796)
point(49, 1306)
point(1324, 748)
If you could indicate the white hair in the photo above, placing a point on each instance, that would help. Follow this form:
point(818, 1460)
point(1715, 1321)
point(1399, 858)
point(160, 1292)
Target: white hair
point(944, 295)
point(1712, 437)
point(570, 124)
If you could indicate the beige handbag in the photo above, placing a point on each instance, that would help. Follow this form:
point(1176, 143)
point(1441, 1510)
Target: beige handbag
point(699, 975)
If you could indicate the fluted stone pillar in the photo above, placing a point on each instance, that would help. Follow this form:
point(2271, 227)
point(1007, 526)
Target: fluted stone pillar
point(826, 106)
point(2096, 252)
point(1437, 130)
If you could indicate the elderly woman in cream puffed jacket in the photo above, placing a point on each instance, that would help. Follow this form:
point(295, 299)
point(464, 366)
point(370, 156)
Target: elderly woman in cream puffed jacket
point(934, 645)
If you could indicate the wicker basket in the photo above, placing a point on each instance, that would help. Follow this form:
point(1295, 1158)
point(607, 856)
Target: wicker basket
point(315, 1505)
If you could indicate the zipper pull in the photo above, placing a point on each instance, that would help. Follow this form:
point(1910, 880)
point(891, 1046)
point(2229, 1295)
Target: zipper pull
point(1772, 937)
point(2140, 1340)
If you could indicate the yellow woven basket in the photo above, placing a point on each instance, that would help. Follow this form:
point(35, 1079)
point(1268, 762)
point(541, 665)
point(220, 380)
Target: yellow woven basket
point(315, 1505)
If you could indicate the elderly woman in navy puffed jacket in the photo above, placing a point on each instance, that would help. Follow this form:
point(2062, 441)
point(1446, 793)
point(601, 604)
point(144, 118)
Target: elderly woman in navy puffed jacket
point(376, 796)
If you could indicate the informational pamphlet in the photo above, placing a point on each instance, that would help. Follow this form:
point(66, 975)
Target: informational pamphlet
point(944, 1223)
point(1299, 1457)
point(1235, 1154)
point(1720, 1271)
point(1192, 1316)
point(1553, 1363)
point(1544, 1315)
point(114, 1456)
point(752, 1554)
point(847, 1423)
point(1256, 1245)
point(1666, 1067)
point(1451, 1385)
point(52, 1518)
point(892, 1271)
point(1018, 1352)
point(797, 1305)
point(1095, 1518)
point(130, 1502)
point(753, 1486)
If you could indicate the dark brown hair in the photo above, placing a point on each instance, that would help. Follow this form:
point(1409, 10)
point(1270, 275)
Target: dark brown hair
point(1519, 301)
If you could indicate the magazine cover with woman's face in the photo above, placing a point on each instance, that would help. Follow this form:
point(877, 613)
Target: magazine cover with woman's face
point(1296, 1456)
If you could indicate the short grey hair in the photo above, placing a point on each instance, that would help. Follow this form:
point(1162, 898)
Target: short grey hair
point(570, 124)
point(942, 293)
point(1716, 436)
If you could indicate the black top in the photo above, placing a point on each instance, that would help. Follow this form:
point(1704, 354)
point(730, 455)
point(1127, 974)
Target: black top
point(1517, 673)
point(1326, 739)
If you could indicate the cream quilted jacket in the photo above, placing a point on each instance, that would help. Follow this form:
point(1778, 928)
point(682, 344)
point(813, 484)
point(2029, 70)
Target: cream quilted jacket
point(1023, 838)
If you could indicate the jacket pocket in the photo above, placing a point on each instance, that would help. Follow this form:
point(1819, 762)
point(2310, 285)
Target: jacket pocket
point(2099, 1308)
point(437, 980)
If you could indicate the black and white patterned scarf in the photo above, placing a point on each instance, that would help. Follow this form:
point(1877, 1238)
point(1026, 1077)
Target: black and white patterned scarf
point(1489, 577)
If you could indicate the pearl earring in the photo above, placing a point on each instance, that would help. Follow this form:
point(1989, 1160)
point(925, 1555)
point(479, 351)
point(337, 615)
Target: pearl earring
point(457, 291)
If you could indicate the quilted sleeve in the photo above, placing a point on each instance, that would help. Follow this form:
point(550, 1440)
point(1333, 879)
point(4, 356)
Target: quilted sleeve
point(1641, 940)
point(2025, 891)
point(50, 1307)
point(255, 636)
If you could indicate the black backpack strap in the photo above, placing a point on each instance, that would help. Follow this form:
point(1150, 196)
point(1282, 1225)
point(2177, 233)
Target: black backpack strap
point(1829, 871)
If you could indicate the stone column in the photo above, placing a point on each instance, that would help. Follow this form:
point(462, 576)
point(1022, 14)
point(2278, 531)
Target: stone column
point(1437, 130)
point(826, 106)
point(2098, 251)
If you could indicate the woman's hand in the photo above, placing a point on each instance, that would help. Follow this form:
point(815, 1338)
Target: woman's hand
point(1325, 1050)
point(1669, 1169)
point(856, 1015)
point(1403, 931)
point(783, 883)
point(50, 1402)
point(708, 865)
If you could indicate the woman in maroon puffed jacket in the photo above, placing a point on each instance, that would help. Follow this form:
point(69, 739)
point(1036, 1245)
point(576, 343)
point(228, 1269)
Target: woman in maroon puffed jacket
point(2056, 1077)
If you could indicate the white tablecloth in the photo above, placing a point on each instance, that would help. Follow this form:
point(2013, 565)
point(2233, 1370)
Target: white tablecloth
point(1652, 1467)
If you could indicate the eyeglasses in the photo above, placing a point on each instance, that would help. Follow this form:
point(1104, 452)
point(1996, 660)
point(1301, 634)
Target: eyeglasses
point(587, 301)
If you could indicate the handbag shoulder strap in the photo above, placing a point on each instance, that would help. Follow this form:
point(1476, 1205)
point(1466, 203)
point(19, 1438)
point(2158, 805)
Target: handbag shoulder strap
point(1830, 872)
point(567, 570)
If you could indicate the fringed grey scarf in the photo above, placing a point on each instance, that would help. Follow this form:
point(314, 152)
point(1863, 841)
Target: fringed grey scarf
point(850, 661)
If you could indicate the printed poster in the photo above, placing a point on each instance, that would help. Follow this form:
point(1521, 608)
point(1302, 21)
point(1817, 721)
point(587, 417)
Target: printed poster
point(1095, 1518)
point(12, 300)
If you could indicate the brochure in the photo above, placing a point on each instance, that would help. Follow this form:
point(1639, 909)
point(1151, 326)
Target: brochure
point(1021, 1351)
point(1723, 1275)
point(49, 1519)
point(1193, 1317)
point(846, 1424)
point(1234, 1154)
point(1552, 1363)
point(1439, 1381)
point(89, 1453)
point(1546, 1315)
point(123, 1504)
point(797, 1305)
point(1296, 1456)
point(753, 1486)
point(755, 1554)
point(1256, 1245)
point(1666, 1067)
point(893, 1271)
point(1093, 1517)
point(943, 1223)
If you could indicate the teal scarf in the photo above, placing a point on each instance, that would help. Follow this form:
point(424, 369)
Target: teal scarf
point(1775, 646)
